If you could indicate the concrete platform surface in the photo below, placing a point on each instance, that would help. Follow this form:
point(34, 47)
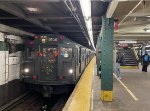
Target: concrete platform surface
point(131, 93)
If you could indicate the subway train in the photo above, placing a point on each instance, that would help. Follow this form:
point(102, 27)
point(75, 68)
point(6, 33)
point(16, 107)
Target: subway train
point(52, 63)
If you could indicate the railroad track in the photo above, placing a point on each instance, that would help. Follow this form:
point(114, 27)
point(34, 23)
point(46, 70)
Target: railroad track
point(58, 106)
point(27, 102)
point(35, 102)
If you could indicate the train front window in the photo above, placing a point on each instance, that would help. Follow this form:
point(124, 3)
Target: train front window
point(50, 52)
point(66, 52)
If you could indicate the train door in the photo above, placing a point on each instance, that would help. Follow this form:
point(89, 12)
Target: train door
point(85, 57)
point(77, 63)
point(48, 66)
point(66, 62)
point(88, 56)
point(80, 57)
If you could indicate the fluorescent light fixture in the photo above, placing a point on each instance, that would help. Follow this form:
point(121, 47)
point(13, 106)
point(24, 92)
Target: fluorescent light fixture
point(148, 16)
point(128, 41)
point(33, 9)
point(89, 43)
point(147, 46)
point(148, 30)
point(86, 10)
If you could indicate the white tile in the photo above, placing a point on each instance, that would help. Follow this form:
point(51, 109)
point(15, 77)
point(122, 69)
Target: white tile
point(14, 60)
point(1, 36)
point(3, 54)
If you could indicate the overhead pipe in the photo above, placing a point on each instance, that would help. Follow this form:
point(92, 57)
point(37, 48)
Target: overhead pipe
point(131, 11)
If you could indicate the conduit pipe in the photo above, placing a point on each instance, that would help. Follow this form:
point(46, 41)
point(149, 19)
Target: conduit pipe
point(131, 11)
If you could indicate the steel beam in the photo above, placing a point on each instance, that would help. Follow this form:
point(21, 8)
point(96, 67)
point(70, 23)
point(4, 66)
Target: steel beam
point(11, 30)
point(69, 31)
point(61, 25)
point(49, 17)
point(3, 18)
point(78, 37)
point(107, 59)
point(17, 12)
point(131, 37)
point(39, 17)
point(111, 8)
point(27, 1)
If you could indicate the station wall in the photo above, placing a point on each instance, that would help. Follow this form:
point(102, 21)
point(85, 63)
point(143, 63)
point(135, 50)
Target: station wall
point(10, 85)
point(9, 62)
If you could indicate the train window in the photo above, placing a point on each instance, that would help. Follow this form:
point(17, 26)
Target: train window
point(66, 52)
point(29, 51)
point(44, 39)
point(83, 54)
point(51, 52)
point(77, 55)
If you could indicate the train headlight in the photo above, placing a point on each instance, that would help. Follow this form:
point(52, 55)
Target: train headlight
point(26, 70)
point(70, 71)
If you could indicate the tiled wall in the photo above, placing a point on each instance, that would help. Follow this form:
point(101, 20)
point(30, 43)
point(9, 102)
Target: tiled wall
point(9, 63)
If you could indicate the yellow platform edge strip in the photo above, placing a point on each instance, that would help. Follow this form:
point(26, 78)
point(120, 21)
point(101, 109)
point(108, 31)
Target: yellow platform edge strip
point(129, 67)
point(80, 98)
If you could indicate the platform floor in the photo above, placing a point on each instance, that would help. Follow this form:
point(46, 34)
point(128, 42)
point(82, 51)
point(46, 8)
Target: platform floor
point(131, 93)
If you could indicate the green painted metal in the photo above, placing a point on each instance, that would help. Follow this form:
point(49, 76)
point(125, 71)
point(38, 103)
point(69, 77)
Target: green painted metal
point(107, 53)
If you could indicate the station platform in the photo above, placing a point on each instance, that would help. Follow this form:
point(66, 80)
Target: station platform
point(131, 93)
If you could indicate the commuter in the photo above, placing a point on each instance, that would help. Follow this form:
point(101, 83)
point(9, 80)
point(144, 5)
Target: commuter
point(119, 60)
point(145, 60)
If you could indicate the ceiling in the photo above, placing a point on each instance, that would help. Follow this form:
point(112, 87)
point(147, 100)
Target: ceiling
point(132, 19)
point(65, 17)
point(53, 16)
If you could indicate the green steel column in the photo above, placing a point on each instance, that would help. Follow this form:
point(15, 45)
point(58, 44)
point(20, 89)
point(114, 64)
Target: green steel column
point(107, 59)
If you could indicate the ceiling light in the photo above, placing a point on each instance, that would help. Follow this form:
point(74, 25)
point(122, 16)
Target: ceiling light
point(146, 30)
point(147, 25)
point(147, 46)
point(86, 10)
point(148, 16)
point(89, 43)
point(128, 41)
point(33, 9)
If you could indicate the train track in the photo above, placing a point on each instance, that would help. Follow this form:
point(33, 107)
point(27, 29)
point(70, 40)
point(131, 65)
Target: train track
point(35, 102)
point(28, 102)
point(58, 106)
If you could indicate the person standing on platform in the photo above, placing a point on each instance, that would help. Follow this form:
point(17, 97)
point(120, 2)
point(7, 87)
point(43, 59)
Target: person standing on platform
point(145, 61)
point(119, 60)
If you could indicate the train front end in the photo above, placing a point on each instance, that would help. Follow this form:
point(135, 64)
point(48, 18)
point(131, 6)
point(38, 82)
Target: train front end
point(50, 64)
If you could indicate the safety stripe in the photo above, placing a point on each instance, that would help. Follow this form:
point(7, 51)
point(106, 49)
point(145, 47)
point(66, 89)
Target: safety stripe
point(129, 67)
point(80, 98)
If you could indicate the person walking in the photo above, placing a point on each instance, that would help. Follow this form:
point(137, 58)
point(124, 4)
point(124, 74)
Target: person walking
point(145, 60)
point(119, 60)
